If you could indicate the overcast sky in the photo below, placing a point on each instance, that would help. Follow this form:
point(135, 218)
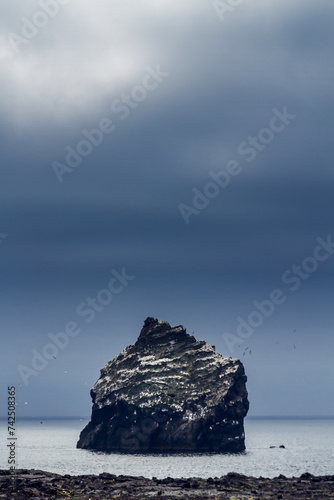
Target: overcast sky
point(184, 92)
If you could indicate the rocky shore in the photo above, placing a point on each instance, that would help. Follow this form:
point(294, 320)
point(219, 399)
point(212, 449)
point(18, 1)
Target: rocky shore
point(36, 484)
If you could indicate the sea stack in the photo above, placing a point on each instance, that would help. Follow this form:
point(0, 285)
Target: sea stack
point(168, 393)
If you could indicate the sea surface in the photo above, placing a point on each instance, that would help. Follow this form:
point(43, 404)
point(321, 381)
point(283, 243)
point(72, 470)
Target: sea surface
point(50, 446)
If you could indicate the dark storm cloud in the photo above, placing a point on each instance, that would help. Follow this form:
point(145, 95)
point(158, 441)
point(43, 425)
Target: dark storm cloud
point(257, 227)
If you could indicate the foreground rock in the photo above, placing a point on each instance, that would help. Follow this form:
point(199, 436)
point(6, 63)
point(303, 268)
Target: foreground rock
point(168, 393)
point(39, 484)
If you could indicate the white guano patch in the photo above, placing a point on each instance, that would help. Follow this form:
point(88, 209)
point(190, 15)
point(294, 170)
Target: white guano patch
point(154, 361)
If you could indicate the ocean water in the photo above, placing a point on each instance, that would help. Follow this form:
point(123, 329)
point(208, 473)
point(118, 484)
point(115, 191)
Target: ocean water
point(309, 447)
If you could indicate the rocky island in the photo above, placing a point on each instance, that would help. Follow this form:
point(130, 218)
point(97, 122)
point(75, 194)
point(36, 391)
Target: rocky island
point(168, 393)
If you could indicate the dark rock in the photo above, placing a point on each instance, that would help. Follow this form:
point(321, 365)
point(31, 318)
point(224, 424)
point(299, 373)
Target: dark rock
point(282, 446)
point(106, 475)
point(306, 475)
point(234, 475)
point(50, 491)
point(168, 393)
point(129, 487)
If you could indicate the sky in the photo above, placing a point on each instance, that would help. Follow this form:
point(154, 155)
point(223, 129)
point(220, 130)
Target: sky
point(174, 160)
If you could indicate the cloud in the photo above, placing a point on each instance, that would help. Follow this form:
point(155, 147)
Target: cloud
point(89, 52)
point(83, 52)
